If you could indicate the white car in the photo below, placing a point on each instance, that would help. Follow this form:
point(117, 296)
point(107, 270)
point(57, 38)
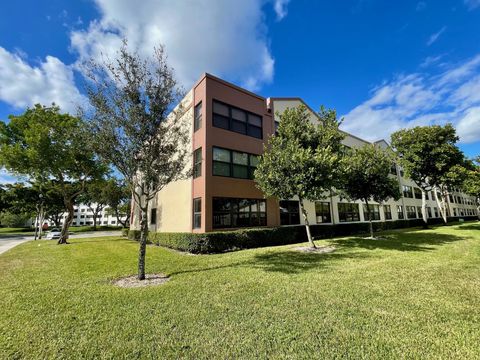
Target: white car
point(53, 234)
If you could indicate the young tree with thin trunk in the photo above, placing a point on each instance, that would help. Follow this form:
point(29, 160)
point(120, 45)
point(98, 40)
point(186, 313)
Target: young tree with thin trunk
point(367, 177)
point(302, 160)
point(45, 145)
point(428, 154)
point(96, 198)
point(136, 128)
point(118, 201)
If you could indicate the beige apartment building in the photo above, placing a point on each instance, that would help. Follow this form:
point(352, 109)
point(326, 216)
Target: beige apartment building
point(229, 126)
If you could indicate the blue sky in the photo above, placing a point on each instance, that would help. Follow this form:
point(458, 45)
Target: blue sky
point(382, 64)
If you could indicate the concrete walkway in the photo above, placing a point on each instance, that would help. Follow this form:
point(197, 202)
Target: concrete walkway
point(10, 241)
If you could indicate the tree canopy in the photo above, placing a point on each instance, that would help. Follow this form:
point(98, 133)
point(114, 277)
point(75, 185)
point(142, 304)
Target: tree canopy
point(303, 159)
point(429, 155)
point(136, 127)
point(367, 177)
point(45, 145)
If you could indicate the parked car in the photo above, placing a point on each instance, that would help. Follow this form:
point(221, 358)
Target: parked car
point(53, 234)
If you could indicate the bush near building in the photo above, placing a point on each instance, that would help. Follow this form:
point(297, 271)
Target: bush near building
point(223, 241)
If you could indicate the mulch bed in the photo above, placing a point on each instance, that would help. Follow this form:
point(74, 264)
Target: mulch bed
point(133, 282)
point(317, 250)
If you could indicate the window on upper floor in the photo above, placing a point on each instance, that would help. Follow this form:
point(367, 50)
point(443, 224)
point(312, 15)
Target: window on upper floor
point(197, 163)
point(234, 119)
point(197, 117)
point(407, 191)
point(233, 163)
point(417, 192)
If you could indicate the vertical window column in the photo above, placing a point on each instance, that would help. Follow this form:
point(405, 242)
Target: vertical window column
point(197, 213)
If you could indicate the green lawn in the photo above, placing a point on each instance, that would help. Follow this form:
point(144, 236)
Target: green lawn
point(414, 294)
point(20, 230)
point(75, 229)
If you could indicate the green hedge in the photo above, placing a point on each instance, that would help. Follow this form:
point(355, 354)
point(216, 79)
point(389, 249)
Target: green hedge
point(221, 241)
point(125, 232)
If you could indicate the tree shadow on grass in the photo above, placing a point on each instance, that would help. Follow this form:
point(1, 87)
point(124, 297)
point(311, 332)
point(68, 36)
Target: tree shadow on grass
point(411, 240)
point(287, 261)
point(475, 226)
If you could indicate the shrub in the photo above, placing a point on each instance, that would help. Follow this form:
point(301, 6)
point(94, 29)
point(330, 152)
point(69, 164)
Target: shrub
point(125, 232)
point(221, 241)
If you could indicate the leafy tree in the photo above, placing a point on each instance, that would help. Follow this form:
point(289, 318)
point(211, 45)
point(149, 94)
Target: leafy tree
point(302, 160)
point(53, 203)
point(96, 198)
point(11, 219)
point(46, 145)
point(367, 177)
point(119, 201)
point(471, 184)
point(429, 155)
point(4, 204)
point(136, 128)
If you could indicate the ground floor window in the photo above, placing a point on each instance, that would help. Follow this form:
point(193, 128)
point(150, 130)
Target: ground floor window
point(411, 212)
point(419, 212)
point(233, 212)
point(387, 212)
point(435, 211)
point(197, 213)
point(400, 212)
point(289, 212)
point(374, 212)
point(429, 212)
point(153, 216)
point(348, 212)
point(322, 211)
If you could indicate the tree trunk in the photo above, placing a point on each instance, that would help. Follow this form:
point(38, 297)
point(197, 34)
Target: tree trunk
point(94, 221)
point(143, 242)
point(370, 224)
point(424, 209)
point(307, 224)
point(441, 207)
point(36, 226)
point(41, 221)
point(66, 225)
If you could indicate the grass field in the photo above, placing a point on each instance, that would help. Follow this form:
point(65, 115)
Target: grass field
point(414, 294)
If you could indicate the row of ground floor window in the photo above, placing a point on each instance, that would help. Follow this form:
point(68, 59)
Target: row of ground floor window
point(234, 213)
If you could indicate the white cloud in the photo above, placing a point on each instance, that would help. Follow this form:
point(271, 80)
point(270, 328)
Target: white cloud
point(280, 7)
point(421, 99)
point(468, 127)
point(472, 4)
point(421, 5)
point(23, 85)
point(226, 38)
point(434, 37)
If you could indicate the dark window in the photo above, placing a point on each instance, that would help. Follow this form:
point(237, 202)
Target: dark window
point(197, 163)
point(387, 212)
point(393, 169)
point(348, 212)
point(411, 213)
point(402, 173)
point(418, 193)
point(276, 125)
point(153, 216)
point(197, 213)
point(230, 212)
point(197, 122)
point(82, 216)
point(289, 212)
point(237, 120)
point(407, 191)
point(374, 212)
point(435, 211)
point(426, 195)
point(429, 212)
point(233, 163)
point(419, 212)
point(400, 213)
point(322, 211)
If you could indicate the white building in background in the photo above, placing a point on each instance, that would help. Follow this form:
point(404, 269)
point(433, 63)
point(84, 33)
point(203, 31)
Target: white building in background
point(82, 215)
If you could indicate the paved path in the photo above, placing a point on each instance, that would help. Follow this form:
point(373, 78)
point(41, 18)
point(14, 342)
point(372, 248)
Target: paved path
point(9, 241)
